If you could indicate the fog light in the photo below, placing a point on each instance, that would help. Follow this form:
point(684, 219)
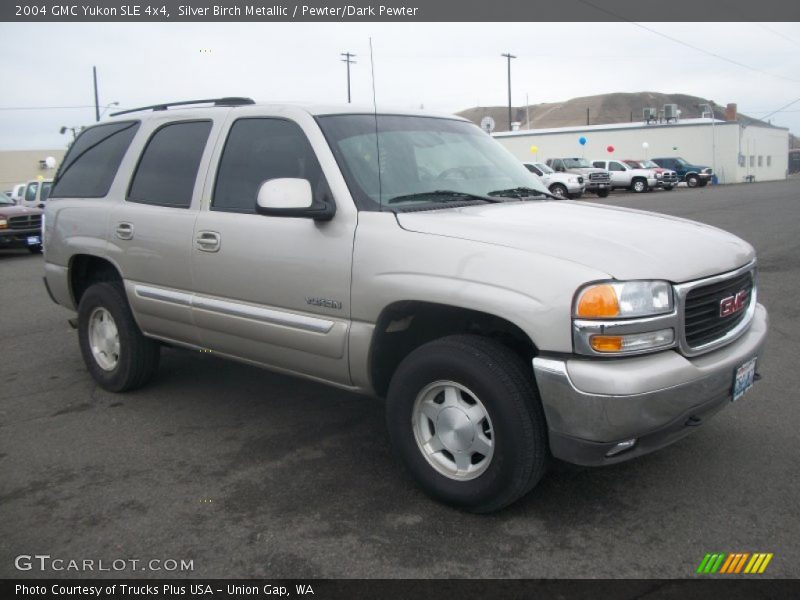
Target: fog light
point(633, 341)
point(621, 447)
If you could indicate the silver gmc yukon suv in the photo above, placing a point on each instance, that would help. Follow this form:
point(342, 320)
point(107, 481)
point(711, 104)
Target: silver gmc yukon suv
point(406, 257)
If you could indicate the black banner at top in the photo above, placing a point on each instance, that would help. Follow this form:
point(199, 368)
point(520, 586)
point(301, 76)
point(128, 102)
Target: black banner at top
point(399, 10)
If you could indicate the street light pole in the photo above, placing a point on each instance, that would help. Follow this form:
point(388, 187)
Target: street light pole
point(346, 59)
point(509, 56)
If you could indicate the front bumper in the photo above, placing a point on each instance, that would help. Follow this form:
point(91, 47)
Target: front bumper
point(576, 188)
point(592, 405)
point(18, 238)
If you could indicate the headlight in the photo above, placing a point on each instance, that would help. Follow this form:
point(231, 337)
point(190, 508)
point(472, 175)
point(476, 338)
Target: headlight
point(624, 300)
point(624, 317)
point(3, 223)
point(572, 180)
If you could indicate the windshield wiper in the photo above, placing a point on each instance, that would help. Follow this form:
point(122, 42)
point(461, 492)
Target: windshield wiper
point(440, 196)
point(521, 192)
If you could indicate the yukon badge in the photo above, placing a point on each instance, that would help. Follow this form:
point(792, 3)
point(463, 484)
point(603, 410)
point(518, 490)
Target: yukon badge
point(326, 302)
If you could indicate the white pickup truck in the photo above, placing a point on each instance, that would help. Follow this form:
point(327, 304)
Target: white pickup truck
point(408, 257)
point(627, 177)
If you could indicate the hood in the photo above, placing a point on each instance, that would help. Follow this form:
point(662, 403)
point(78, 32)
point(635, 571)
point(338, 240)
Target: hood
point(18, 210)
point(624, 243)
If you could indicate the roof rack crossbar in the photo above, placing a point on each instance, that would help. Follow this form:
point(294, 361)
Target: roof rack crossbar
point(227, 101)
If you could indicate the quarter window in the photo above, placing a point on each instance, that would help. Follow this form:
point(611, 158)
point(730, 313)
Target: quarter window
point(258, 150)
point(92, 161)
point(168, 167)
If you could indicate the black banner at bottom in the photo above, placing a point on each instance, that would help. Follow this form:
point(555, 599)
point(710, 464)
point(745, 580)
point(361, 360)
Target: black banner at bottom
point(417, 589)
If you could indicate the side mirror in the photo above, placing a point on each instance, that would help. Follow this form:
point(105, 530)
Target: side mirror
point(41, 204)
point(291, 197)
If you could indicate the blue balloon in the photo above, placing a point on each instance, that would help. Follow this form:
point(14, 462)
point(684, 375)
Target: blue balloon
point(582, 141)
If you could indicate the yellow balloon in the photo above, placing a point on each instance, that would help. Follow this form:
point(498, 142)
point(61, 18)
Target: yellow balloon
point(534, 149)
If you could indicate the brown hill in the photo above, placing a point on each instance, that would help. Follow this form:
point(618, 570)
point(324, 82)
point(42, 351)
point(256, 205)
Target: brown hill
point(604, 108)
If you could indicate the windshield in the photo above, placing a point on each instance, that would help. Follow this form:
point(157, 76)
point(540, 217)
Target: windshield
point(5, 200)
point(648, 164)
point(681, 162)
point(577, 163)
point(422, 160)
point(543, 168)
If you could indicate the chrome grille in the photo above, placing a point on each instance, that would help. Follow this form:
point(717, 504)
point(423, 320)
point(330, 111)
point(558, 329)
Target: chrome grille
point(599, 177)
point(25, 222)
point(704, 324)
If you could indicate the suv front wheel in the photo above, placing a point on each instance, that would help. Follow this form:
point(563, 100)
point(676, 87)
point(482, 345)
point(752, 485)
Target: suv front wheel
point(464, 416)
point(117, 355)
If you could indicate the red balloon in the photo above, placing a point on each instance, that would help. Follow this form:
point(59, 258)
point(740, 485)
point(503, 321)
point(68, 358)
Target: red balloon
point(610, 148)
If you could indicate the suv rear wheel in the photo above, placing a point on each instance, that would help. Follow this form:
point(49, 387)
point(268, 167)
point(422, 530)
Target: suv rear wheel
point(464, 416)
point(692, 181)
point(117, 355)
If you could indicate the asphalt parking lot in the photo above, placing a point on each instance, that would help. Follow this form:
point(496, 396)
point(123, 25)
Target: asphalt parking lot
point(253, 474)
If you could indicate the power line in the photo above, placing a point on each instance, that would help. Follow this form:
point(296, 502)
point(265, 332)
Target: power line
point(780, 109)
point(687, 44)
point(778, 33)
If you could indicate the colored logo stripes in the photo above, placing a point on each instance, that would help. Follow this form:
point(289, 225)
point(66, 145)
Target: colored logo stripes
point(735, 562)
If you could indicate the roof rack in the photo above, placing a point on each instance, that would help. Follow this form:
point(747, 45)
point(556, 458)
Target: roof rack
point(229, 101)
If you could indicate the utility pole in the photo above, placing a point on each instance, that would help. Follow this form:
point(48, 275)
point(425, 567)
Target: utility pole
point(96, 101)
point(346, 59)
point(509, 57)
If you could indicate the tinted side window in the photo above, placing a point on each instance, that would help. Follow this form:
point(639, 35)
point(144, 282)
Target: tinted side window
point(46, 185)
point(92, 161)
point(599, 165)
point(262, 149)
point(168, 167)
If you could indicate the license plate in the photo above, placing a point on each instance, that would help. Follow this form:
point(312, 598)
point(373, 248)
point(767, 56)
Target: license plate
point(602, 185)
point(34, 240)
point(743, 379)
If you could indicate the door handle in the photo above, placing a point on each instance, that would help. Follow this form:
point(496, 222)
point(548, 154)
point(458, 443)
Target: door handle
point(208, 241)
point(124, 231)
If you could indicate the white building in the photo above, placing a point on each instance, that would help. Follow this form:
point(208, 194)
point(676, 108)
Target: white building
point(737, 150)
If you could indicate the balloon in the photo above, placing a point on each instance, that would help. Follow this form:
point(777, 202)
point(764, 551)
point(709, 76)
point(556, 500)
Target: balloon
point(534, 149)
point(50, 162)
point(582, 141)
point(610, 148)
point(645, 145)
point(674, 147)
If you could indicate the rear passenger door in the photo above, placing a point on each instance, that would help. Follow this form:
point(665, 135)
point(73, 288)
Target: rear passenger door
point(150, 231)
point(272, 289)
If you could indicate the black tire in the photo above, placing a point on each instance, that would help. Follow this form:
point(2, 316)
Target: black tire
point(576, 196)
point(559, 190)
point(505, 387)
point(639, 185)
point(138, 355)
point(692, 181)
point(668, 188)
point(603, 193)
point(35, 249)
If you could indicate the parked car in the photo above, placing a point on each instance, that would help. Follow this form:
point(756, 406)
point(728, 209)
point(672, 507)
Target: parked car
point(20, 227)
point(626, 177)
point(693, 175)
point(667, 179)
point(503, 328)
point(598, 181)
point(562, 185)
point(18, 193)
point(37, 192)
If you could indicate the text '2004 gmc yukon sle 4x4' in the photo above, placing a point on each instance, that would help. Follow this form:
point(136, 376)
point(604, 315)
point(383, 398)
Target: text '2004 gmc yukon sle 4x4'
point(407, 257)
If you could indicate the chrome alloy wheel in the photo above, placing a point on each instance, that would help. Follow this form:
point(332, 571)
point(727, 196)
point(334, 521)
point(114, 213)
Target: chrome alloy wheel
point(453, 430)
point(104, 339)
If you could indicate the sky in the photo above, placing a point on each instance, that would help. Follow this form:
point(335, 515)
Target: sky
point(442, 67)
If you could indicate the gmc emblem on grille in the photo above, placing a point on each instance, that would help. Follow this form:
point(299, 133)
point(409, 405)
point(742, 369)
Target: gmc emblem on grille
point(733, 304)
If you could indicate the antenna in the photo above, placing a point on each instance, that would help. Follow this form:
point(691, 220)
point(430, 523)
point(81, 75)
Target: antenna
point(375, 112)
